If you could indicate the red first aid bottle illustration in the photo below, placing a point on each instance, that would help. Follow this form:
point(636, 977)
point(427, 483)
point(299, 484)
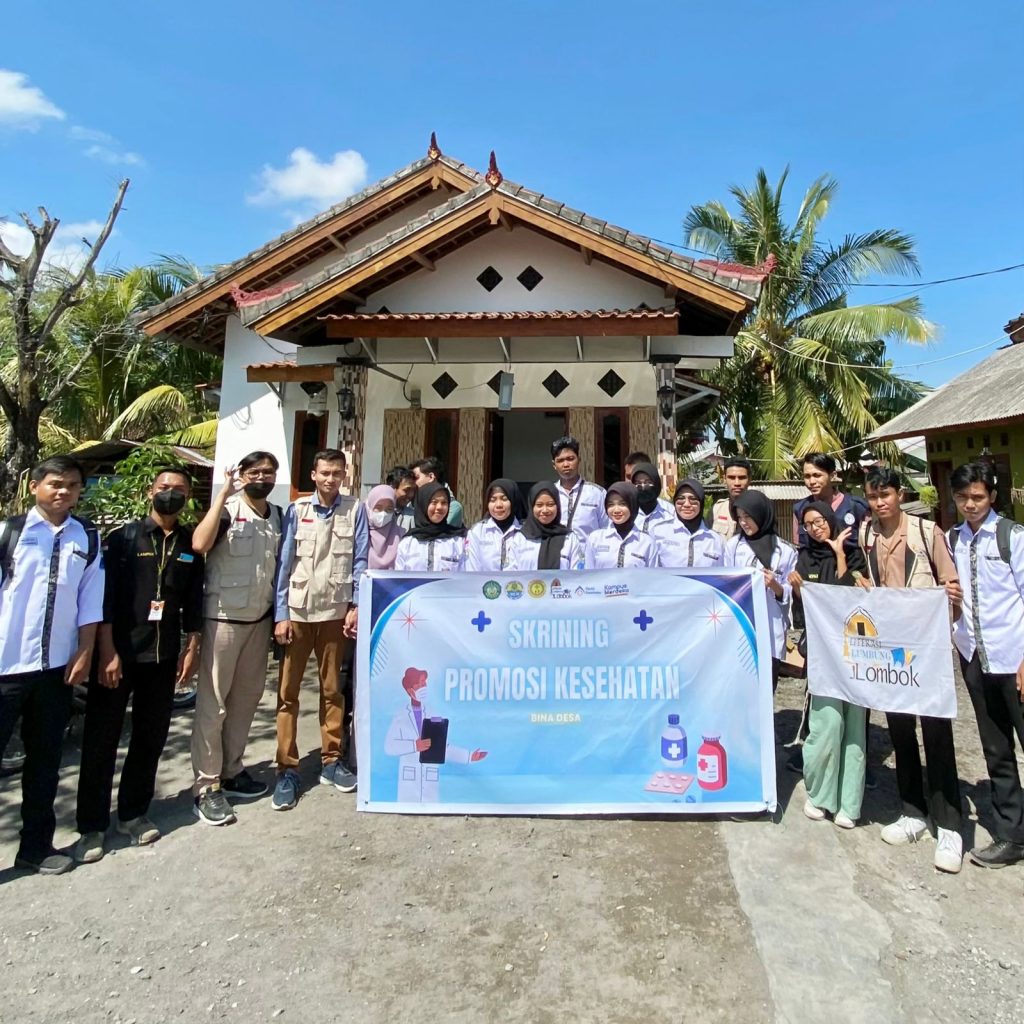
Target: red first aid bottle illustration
point(712, 764)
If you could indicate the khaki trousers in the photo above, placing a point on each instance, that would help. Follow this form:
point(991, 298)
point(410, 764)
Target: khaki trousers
point(327, 641)
point(232, 678)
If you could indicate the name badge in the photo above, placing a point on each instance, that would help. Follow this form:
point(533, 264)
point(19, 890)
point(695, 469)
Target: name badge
point(186, 557)
point(156, 610)
point(28, 540)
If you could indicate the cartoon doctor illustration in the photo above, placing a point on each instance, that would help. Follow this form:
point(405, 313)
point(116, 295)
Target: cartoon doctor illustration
point(419, 776)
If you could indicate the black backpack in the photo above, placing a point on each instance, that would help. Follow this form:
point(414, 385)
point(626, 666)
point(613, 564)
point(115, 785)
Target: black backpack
point(10, 534)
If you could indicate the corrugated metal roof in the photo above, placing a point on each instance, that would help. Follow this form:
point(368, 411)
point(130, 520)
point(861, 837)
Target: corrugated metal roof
point(780, 492)
point(989, 392)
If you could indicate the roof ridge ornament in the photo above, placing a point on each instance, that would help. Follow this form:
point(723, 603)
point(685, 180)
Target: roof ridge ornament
point(741, 270)
point(493, 177)
point(434, 150)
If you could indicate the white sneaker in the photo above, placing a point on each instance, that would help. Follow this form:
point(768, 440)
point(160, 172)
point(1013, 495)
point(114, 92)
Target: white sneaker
point(812, 812)
point(842, 820)
point(949, 853)
point(905, 829)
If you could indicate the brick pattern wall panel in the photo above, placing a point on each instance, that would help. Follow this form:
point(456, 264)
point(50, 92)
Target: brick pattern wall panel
point(404, 437)
point(472, 460)
point(352, 432)
point(643, 429)
point(581, 426)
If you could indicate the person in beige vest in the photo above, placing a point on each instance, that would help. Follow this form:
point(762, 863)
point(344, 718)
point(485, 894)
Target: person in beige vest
point(240, 536)
point(324, 550)
point(737, 473)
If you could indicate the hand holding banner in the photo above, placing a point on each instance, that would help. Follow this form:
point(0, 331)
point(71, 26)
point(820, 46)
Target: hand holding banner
point(883, 648)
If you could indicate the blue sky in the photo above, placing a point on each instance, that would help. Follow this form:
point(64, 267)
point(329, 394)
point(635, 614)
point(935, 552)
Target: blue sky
point(631, 112)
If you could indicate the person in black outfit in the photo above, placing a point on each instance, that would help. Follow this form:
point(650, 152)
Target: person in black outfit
point(154, 592)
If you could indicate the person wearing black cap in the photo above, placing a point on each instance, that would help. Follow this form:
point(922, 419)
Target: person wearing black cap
point(620, 545)
point(545, 542)
point(685, 541)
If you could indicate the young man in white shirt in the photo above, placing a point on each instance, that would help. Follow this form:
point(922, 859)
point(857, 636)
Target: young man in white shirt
point(990, 638)
point(51, 603)
point(581, 502)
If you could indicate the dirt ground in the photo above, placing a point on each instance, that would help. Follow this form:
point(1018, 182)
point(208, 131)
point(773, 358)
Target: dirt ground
point(324, 914)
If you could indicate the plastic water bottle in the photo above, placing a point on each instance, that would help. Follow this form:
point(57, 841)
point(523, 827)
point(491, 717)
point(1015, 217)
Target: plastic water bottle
point(673, 745)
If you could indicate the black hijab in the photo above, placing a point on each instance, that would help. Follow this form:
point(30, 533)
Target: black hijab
point(817, 561)
point(628, 493)
point(551, 537)
point(759, 508)
point(423, 529)
point(515, 498)
point(647, 498)
point(689, 484)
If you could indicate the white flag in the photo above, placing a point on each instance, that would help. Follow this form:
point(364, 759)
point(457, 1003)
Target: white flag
point(884, 648)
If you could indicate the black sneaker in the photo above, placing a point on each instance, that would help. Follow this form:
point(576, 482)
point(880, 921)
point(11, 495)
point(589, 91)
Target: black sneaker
point(998, 854)
point(53, 863)
point(244, 787)
point(795, 761)
point(212, 808)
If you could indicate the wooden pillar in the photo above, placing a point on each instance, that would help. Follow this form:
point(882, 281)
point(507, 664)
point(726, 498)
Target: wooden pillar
point(472, 460)
point(668, 465)
point(580, 420)
point(404, 437)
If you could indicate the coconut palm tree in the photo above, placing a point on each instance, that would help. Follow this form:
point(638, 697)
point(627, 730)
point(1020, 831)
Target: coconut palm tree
point(809, 371)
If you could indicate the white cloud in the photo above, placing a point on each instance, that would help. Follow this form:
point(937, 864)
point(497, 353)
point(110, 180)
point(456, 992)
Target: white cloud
point(84, 134)
point(23, 105)
point(309, 181)
point(66, 251)
point(114, 156)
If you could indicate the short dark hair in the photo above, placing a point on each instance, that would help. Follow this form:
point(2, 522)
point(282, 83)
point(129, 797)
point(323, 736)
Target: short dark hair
point(820, 460)
point(880, 477)
point(329, 455)
point(738, 462)
point(430, 464)
point(176, 470)
point(57, 465)
point(634, 457)
point(396, 474)
point(254, 458)
point(561, 443)
point(973, 473)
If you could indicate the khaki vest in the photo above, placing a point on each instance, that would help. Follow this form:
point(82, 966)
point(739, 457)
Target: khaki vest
point(320, 587)
point(239, 581)
point(919, 569)
point(722, 521)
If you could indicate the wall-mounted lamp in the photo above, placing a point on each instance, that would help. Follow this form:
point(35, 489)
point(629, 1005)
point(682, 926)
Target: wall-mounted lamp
point(346, 404)
point(506, 381)
point(867, 459)
point(666, 401)
point(317, 392)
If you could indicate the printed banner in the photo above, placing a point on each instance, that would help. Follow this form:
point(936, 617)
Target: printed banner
point(623, 691)
point(884, 648)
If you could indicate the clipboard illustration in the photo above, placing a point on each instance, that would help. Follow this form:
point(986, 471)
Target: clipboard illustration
point(435, 730)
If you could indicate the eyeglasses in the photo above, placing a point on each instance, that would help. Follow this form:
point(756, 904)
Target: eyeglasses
point(687, 499)
point(815, 524)
point(257, 474)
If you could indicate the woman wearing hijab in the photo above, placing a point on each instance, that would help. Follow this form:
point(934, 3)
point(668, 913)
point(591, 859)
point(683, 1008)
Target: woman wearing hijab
point(491, 541)
point(433, 544)
point(385, 533)
point(620, 545)
point(684, 541)
point(834, 751)
point(544, 542)
point(757, 545)
point(654, 510)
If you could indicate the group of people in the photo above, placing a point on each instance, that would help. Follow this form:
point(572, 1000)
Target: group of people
point(163, 600)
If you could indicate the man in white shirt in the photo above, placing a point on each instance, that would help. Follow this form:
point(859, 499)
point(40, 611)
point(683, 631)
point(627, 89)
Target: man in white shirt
point(989, 635)
point(581, 502)
point(51, 602)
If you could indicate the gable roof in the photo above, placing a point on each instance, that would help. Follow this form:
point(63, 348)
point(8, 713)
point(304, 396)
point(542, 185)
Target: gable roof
point(991, 392)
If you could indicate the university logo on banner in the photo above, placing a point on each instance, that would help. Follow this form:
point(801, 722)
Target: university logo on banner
point(883, 648)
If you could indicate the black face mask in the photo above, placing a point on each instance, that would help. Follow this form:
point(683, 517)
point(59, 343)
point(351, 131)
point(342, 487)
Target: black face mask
point(258, 489)
point(168, 502)
point(648, 499)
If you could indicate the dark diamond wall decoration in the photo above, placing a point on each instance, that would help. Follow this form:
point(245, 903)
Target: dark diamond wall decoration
point(445, 384)
point(530, 278)
point(555, 383)
point(611, 383)
point(383, 309)
point(494, 383)
point(489, 279)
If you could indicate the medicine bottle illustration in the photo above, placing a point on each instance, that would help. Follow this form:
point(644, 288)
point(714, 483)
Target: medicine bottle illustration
point(673, 744)
point(712, 764)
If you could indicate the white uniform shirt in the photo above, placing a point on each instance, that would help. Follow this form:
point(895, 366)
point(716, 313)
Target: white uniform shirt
point(992, 614)
point(526, 554)
point(663, 512)
point(582, 508)
point(446, 554)
point(607, 550)
point(50, 594)
point(488, 549)
point(738, 553)
point(680, 549)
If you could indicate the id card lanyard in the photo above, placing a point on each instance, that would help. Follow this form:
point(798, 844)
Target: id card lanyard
point(574, 500)
point(156, 606)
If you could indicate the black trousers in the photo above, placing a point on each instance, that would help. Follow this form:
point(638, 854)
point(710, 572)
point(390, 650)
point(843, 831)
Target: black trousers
point(942, 799)
point(43, 701)
point(998, 711)
point(150, 687)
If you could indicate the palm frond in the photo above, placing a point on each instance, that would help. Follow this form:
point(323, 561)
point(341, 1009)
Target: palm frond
point(161, 406)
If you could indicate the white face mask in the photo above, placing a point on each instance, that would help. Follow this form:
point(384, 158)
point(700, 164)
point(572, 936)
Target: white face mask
point(420, 695)
point(380, 519)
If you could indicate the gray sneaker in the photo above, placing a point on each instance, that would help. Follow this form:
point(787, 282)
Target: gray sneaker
point(53, 863)
point(89, 848)
point(212, 808)
point(344, 778)
point(140, 830)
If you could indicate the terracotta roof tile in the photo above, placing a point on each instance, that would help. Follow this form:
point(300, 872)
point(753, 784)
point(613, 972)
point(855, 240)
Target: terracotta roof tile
point(511, 315)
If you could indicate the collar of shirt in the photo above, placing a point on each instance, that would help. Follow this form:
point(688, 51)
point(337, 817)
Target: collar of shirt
point(35, 518)
point(575, 487)
point(320, 508)
point(150, 525)
point(967, 534)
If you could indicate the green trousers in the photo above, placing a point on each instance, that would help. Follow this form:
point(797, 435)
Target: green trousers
point(834, 756)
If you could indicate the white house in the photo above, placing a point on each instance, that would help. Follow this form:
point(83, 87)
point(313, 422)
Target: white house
point(405, 304)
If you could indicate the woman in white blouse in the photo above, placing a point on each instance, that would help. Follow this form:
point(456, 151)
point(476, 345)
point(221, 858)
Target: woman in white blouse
point(620, 545)
point(543, 542)
point(433, 544)
point(491, 542)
